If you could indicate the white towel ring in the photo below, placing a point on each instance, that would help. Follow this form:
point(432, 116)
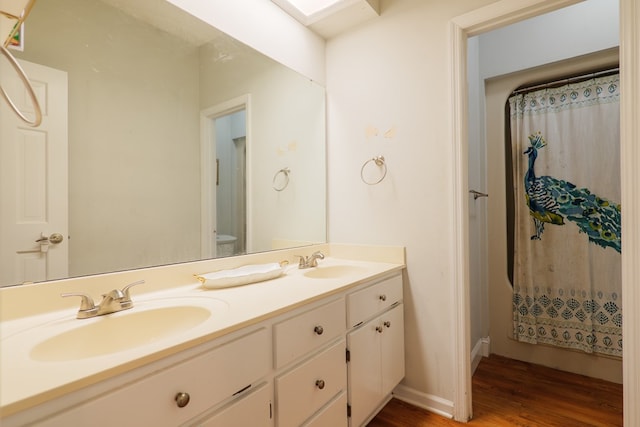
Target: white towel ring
point(380, 162)
point(285, 172)
point(25, 80)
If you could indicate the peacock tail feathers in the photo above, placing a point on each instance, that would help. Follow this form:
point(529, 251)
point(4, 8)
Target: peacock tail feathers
point(551, 200)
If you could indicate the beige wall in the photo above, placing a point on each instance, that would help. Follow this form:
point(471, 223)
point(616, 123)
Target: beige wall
point(391, 74)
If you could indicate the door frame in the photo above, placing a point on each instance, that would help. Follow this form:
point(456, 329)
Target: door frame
point(208, 169)
point(493, 16)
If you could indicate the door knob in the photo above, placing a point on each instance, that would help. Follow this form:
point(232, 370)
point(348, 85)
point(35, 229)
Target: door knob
point(182, 399)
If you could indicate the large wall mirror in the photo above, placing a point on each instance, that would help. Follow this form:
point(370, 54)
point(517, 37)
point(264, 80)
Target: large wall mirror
point(163, 140)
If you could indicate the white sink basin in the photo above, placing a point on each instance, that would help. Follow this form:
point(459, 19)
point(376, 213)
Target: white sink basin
point(119, 331)
point(334, 271)
point(148, 322)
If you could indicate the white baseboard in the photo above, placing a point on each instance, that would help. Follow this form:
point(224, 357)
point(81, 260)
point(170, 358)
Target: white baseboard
point(480, 350)
point(426, 401)
point(434, 403)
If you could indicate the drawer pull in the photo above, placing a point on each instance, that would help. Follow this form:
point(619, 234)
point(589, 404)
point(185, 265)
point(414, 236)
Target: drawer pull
point(387, 324)
point(379, 329)
point(319, 330)
point(383, 297)
point(320, 384)
point(182, 399)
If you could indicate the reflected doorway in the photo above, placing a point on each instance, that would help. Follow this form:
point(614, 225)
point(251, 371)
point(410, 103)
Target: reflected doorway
point(224, 144)
point(230, 188)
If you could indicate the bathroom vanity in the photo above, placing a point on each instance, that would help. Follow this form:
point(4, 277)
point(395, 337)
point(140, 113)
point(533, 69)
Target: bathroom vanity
point(322, 346)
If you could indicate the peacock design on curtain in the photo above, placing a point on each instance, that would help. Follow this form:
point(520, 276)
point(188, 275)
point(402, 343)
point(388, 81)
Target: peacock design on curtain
point(567, 272)
point(551, 200)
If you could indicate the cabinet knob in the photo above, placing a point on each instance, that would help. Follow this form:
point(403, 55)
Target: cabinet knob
point(383, 297)
point(320, 384)
point(379, 329)
point(319, 330)
point(387, 324)
point(182, 399)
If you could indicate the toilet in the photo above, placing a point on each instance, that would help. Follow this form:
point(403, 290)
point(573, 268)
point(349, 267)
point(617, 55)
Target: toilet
point(226, 245)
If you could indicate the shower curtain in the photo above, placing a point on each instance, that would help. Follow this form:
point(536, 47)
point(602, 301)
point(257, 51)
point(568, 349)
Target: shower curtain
point(566, 263)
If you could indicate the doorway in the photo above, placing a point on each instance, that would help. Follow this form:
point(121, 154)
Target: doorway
point(225, 144)
point(230, 188)
point(487, 19)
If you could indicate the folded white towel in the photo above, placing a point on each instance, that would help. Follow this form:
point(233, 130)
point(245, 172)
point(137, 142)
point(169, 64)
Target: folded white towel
point(240, 276)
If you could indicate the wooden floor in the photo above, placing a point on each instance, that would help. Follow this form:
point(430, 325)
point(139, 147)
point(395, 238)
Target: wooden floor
point(518, 394)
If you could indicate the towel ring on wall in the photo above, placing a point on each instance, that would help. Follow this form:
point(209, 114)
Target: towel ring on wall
point(16, 66)
point(285, 172)
point(32, 95)
point(380, 162)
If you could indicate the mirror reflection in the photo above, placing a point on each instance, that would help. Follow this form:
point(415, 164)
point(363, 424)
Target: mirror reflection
point(162, 141)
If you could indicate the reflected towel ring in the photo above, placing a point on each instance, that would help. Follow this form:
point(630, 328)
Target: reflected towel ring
point(380, 162)
point(285, 172)
point(25, 80)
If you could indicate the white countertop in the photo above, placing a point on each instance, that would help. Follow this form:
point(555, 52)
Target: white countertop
point(26, 382)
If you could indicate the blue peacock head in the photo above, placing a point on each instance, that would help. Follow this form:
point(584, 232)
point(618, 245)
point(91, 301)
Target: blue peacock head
point(536, 142)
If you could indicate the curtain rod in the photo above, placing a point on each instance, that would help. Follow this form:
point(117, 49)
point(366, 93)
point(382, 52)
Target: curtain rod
point(561, 82)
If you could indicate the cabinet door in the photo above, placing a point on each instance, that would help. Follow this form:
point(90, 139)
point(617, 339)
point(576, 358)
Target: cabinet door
point(365, 381)
point(392, 349)
point(252, 410)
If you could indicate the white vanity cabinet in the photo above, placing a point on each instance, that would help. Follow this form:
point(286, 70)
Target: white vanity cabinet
point(376, 347)
point(174, 395)
point(308, 365)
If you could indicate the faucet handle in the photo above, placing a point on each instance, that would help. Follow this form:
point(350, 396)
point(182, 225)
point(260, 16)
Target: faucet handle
point(125, 291)
point(87, 307)
point(303, 261)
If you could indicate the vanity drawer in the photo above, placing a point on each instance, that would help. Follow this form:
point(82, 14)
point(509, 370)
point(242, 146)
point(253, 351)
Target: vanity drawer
point(366, 303)
point(299, 335)
point(307, 388)
point(253, 410)
point(208, 379)
point(334, 414)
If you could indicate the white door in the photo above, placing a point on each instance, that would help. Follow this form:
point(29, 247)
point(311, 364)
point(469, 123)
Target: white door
point(392, 349)
point(33, 178)
point(364, 371)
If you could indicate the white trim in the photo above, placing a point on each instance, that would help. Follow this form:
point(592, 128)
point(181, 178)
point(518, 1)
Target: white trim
point(462, 409)
point(480, 350)
point(494, 16)
point(207, 205)
point(426, 401)
point(506, 12)
point(630, 176)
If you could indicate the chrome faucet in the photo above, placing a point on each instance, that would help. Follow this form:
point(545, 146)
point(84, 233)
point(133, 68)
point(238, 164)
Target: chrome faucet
point(113, 301)
point(311, 260)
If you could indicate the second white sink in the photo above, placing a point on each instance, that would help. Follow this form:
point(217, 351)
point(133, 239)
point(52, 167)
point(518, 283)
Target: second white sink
point(333, 271)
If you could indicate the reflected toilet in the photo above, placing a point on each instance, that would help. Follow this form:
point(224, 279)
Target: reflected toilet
point(226, 245)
